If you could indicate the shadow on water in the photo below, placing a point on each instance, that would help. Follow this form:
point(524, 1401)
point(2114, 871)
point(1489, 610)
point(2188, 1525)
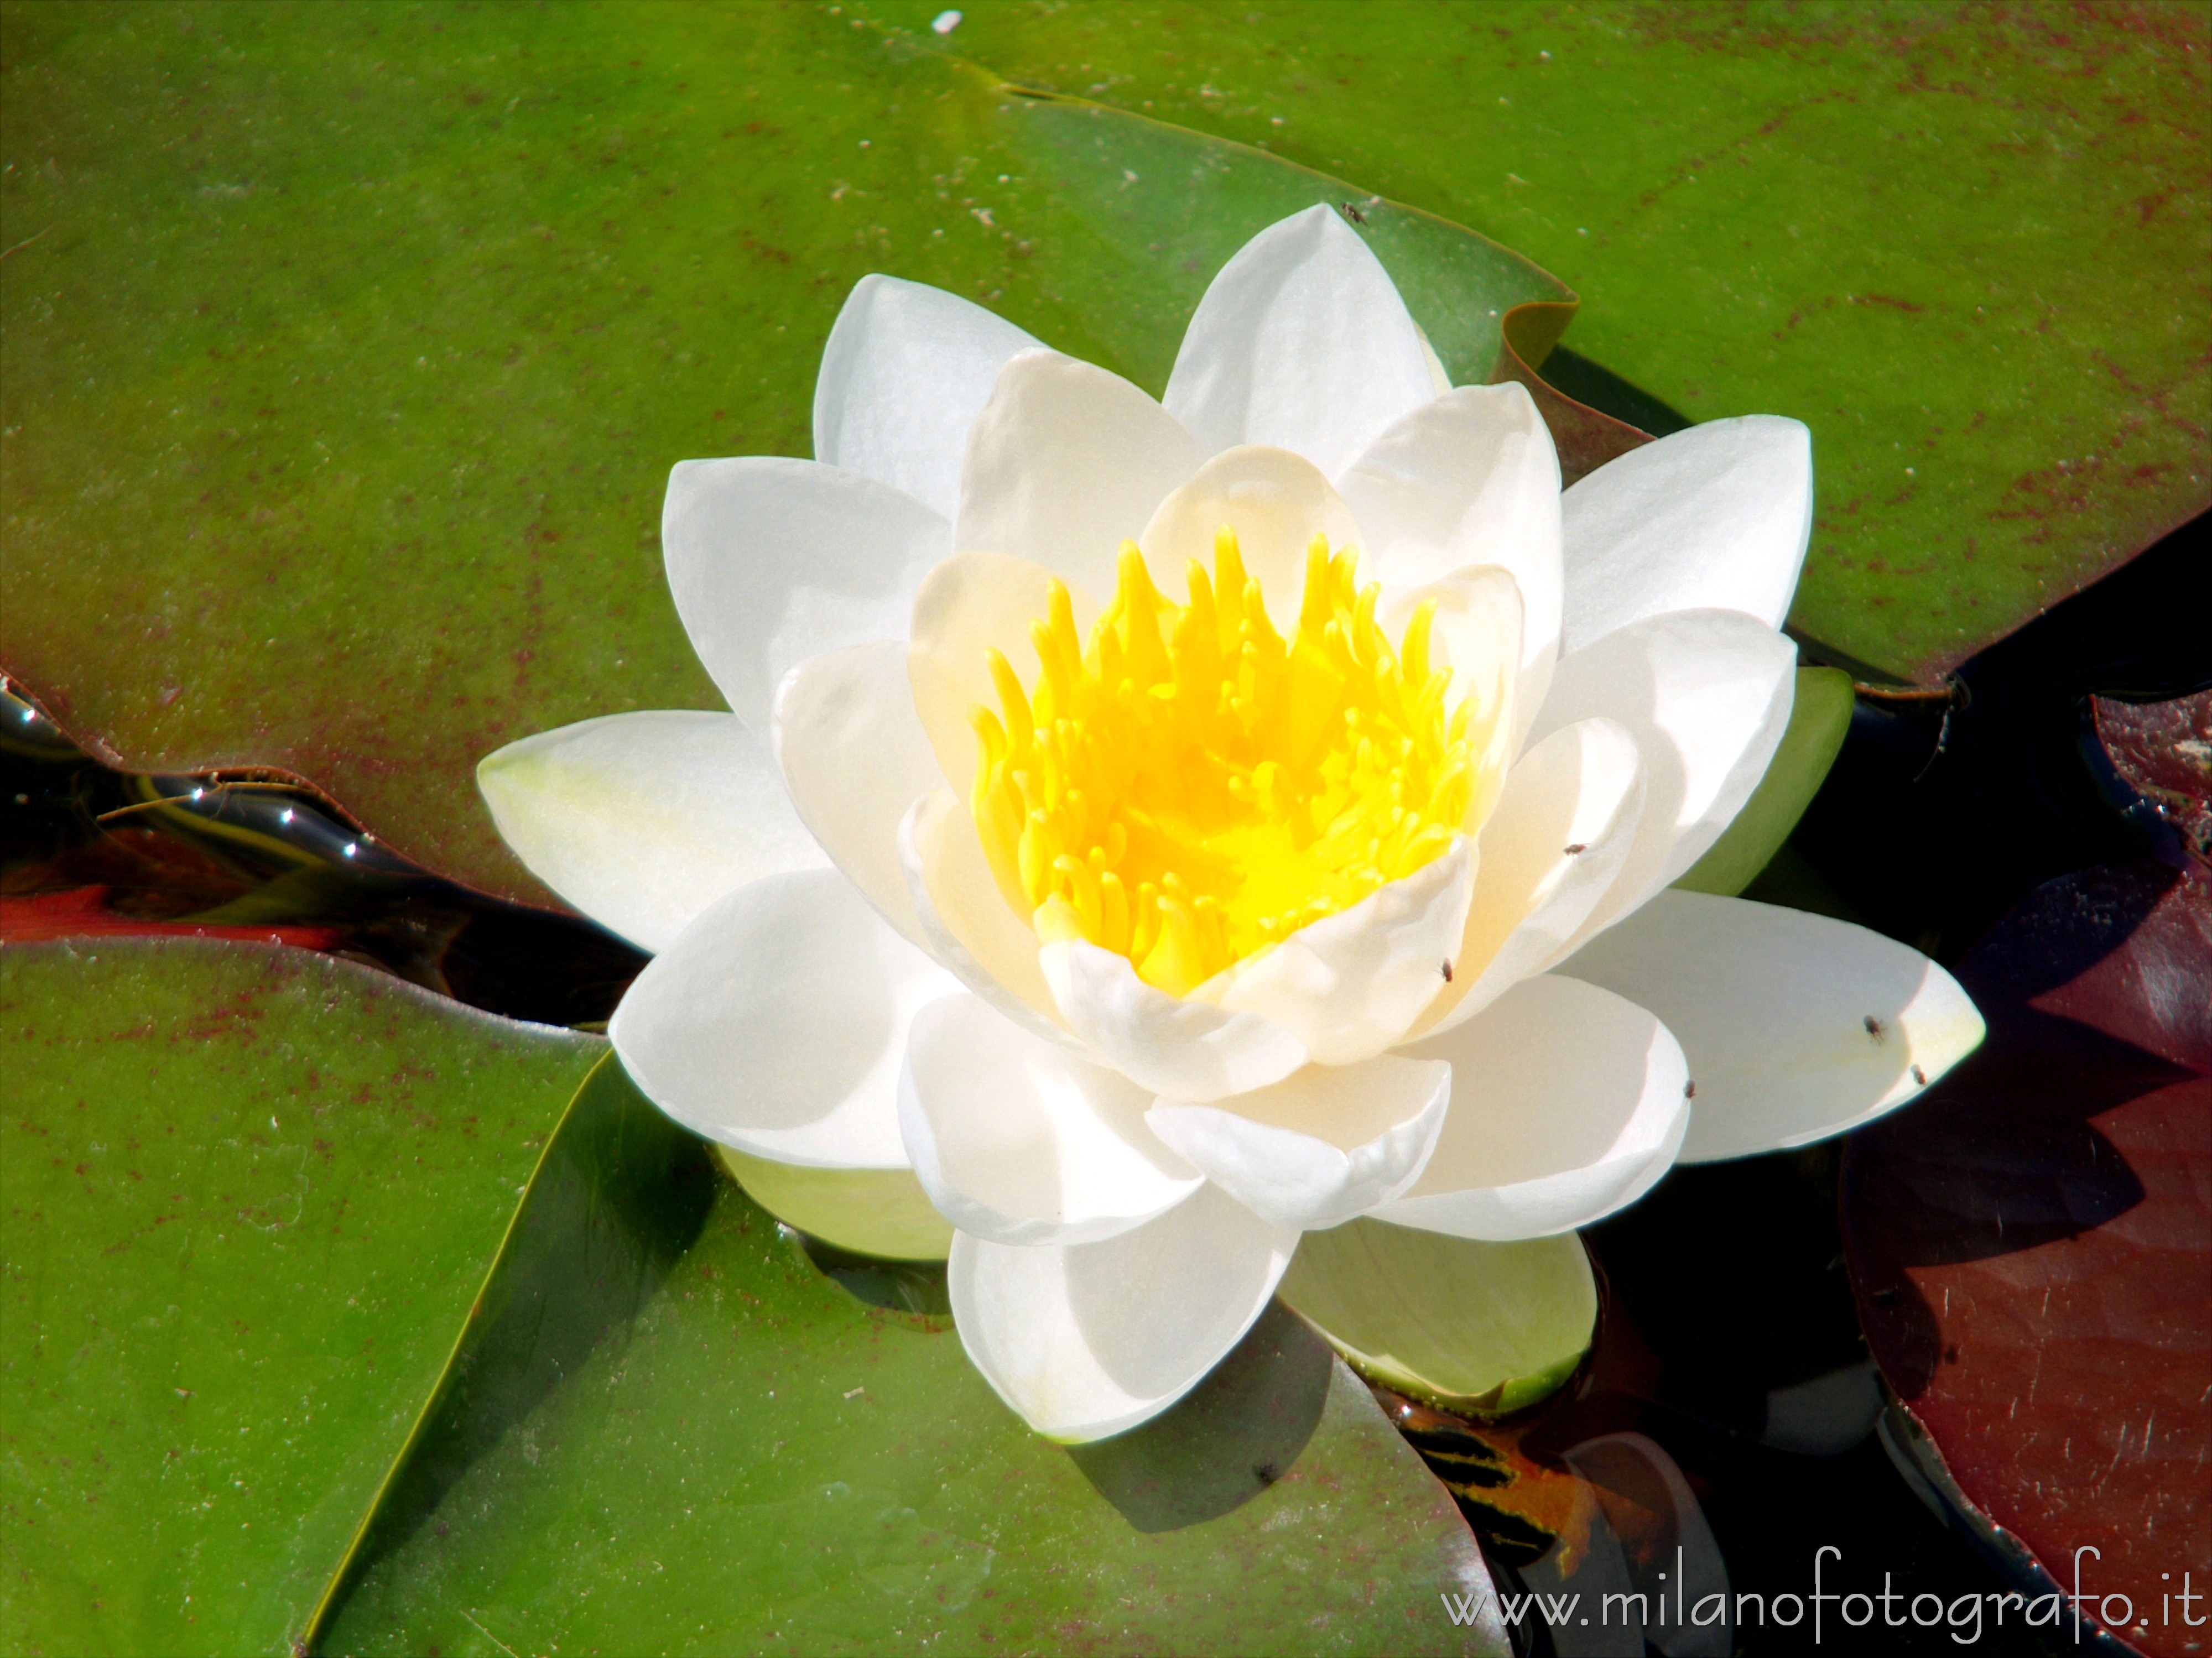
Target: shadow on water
point(1946, 808)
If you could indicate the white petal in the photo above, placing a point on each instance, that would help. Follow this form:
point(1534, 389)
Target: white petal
point(968, 605)
point(1087, 1340)
point(1186, 1050)
point(1471, 479)
point(1706, 694)
point(1771, 1005)
point(906, 371)
point(1554, 846)
point(773, 560)
point(1300, 342)
point(1351, 984)
point(1276, 502)
point(855, 757)
point(1066, 463)
point(1019, 1141)
point(1713, 518)
point(1565, 1107)
point(1320, 1146)
point(1477, 635)
point(642, 820)
point(966, 923)
point(777, 1021)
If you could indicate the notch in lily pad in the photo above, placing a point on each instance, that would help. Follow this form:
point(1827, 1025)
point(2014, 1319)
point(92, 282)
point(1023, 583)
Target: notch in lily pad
point(1478, 1329)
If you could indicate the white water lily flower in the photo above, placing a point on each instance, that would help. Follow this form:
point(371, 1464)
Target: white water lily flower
point(1170, 827)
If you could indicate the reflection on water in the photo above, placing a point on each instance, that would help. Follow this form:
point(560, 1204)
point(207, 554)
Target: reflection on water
point(258, 855)
point(1720, 1432)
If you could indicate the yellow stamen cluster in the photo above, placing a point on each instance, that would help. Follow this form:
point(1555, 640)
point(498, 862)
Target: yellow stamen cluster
point(1189, 787)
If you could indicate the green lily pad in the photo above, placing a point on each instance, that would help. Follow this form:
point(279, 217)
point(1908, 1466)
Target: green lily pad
point(756, 1460)
point(1873, 217)
point(344, 378)
point(1481, 1329)
point(1819, 720)
point(1151, 211)
point(248, 1196)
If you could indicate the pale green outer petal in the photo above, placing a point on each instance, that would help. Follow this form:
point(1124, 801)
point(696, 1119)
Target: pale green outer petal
point(1706, 695)
point(872, 1211)
point(777, 1023)
point(1351, 984)
point(1019, 1141)
point(1322, 1145)
point(1471, 479)
point(1713, 518)
point(642, 820)
point(1066, 463)
point(1473, 1327)
point(1086, 1340)
point(854, 758)
point(1797, 1027)
point(1563, 828)
point(773, 560)
point(1819, 720)
point(1301, 342)
point(1276, 502)
point(1568, 1102)
point(906, 371)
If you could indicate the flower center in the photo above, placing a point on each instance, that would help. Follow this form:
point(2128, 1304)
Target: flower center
point(1190, 786)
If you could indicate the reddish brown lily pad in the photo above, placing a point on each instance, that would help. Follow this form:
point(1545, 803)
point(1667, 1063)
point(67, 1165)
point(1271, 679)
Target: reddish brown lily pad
point(2031, 1245)
point(2164, 749)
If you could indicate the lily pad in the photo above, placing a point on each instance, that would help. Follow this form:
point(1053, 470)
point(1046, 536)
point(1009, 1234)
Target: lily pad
point(345, 377)
point(2164, 751)
point(1872, 217)
point(2031, 1244)
point(758, 1459)
point(249, 1194)
point(1482, 1329)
